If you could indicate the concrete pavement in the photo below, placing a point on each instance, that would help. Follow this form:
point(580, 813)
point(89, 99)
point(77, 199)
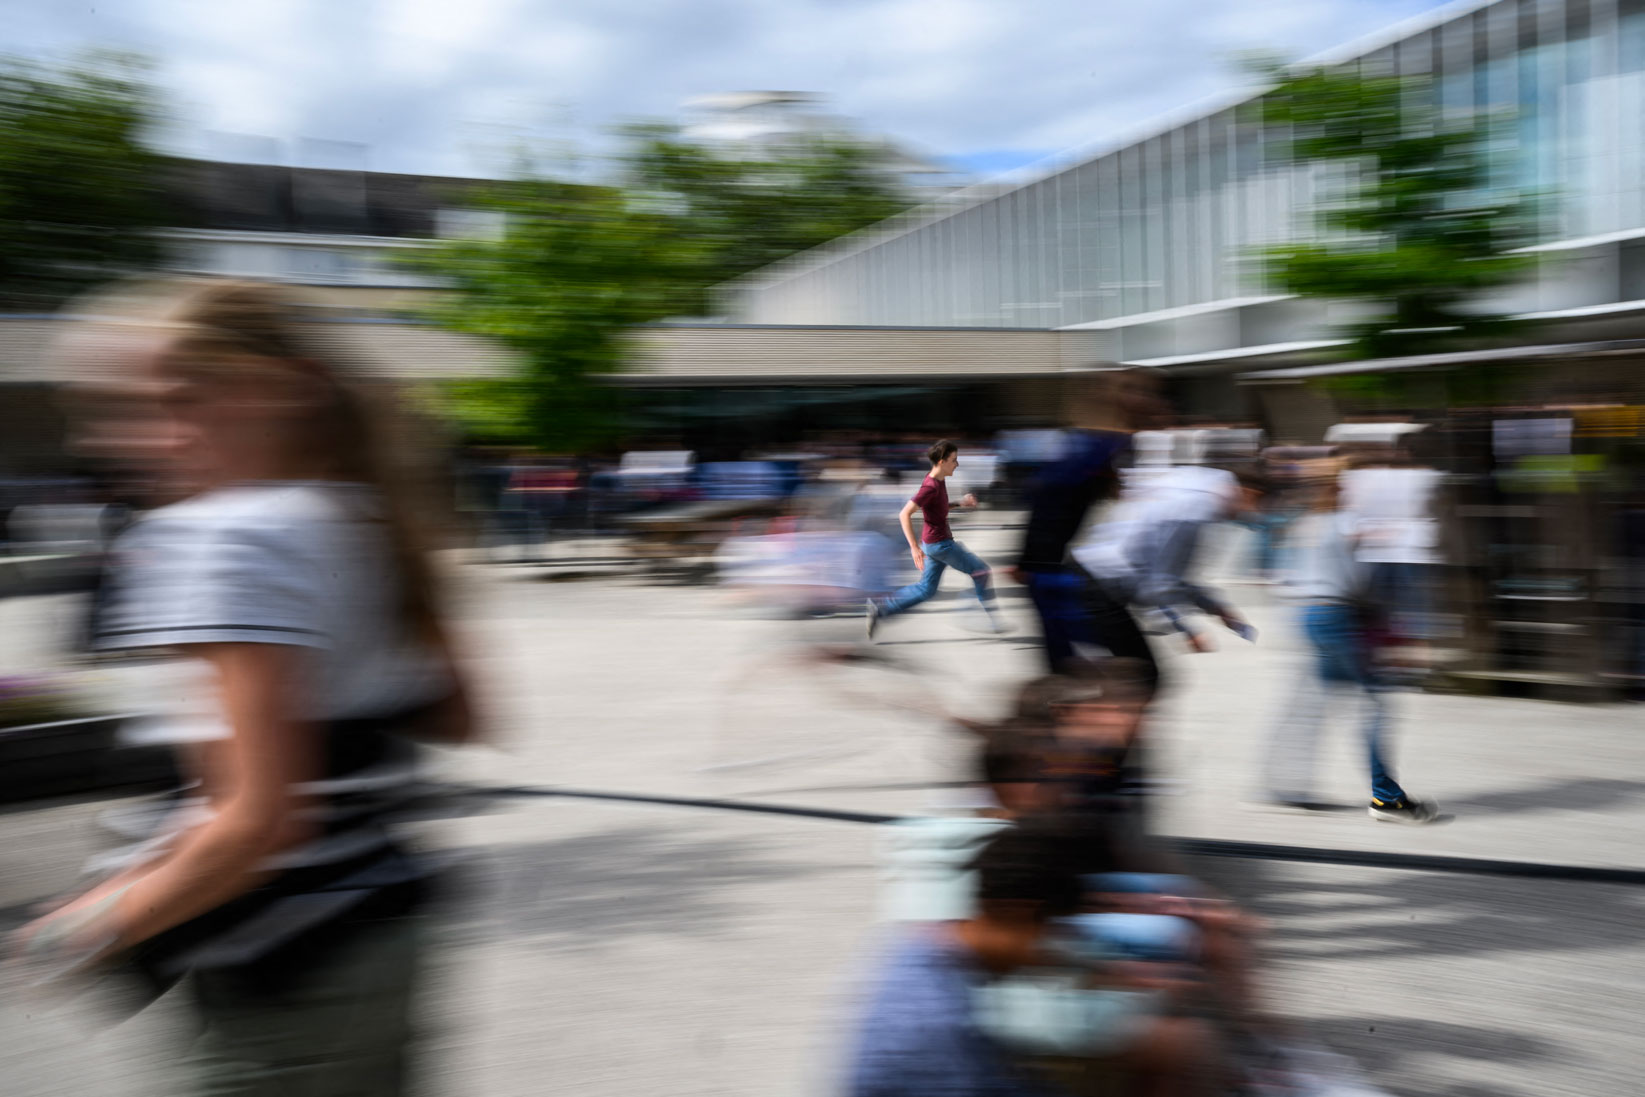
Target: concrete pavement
point(616, 949)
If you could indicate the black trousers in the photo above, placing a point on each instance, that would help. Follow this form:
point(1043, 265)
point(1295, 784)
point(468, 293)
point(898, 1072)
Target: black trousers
point(1114, 627)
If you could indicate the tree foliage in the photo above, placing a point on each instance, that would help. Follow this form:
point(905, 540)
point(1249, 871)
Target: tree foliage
point(578, 263)
point(79, 196)
point(744, 213)
point(1409, 221)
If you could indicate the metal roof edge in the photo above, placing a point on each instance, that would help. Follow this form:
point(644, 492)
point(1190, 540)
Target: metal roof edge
point(1448, 358)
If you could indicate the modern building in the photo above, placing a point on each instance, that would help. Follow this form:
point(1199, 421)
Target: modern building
point(338, 232)
point(334, 234)
point(1149, 240)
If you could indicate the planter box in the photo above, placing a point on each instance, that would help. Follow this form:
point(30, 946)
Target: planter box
point(73, 757)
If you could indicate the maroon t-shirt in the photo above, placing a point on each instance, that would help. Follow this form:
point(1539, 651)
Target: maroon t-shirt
point(932, 499)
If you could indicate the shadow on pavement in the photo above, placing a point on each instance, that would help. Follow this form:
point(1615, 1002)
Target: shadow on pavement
point(1396, 1045)
point(1361, 929)
point(576, 892)
point(1574, 794)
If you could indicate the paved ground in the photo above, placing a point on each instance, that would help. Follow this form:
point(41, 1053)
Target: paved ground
point(596, 948)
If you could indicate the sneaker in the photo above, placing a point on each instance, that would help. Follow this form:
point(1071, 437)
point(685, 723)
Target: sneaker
point(1404, 810)
point(996, 624)
point(873, 617)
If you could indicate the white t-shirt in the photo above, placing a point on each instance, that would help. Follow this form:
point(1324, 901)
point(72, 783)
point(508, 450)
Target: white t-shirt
point(1393, 509)
point(300, 563)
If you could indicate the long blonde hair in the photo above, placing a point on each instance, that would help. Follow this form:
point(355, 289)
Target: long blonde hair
point(217, 325)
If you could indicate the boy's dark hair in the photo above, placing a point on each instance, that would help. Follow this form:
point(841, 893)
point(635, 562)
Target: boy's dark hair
point(1253, 476)
point(1029, 864)
point(939, 451)
point(1111, 681)
point(1037, 698)
point(1012, 753)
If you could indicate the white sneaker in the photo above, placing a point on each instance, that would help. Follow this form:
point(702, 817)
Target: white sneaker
point(1405, 810)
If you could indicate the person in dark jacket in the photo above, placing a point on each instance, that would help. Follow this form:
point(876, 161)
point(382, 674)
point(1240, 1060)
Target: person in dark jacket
point(1105, 410)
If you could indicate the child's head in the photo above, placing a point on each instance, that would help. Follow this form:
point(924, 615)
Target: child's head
point(944, 457)
point(1012, 762)
point(1252, 489)
point(1025, 879)
point(191, 384)
point(1097, 704)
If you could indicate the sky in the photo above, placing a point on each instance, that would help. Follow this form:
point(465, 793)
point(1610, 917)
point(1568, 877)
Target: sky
point(448, 86)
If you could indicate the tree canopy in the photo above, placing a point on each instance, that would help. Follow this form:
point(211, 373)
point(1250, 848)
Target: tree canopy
point(576, 263)
point(79, 191)
point(1410, 219)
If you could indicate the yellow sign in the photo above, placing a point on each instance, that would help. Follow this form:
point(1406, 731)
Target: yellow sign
point(1618, 422)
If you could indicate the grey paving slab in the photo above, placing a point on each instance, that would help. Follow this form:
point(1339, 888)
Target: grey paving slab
point(617, 949)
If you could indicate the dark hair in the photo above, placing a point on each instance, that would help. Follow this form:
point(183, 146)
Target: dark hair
point(1037, 697)
point(1030, 863)
point(1253, 477)
point(1110, 681)
point(1012, 753)
point(939, 451)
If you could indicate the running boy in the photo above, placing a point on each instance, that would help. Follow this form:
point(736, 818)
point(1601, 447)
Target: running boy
point(935, 550)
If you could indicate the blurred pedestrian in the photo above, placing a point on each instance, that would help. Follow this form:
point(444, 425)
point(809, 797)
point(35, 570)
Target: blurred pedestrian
point(289, 565)
point(1144, 555)
point(1105, 411)
point(1394, 506)
point(945, 1014)
point(1332, 582)
point(935, 550)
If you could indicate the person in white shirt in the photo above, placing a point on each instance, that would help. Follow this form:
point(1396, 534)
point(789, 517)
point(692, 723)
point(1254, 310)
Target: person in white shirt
point(287, 565)
point(1330, 581)
point(1393, 507)
point(1144, 555)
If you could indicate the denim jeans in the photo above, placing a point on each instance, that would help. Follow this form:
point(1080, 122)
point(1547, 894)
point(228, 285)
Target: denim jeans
point(1059, 599)
point(939, 556)
point(1341, 657)
point(1270, 556)
point(1075, 611)
point(1407, 590)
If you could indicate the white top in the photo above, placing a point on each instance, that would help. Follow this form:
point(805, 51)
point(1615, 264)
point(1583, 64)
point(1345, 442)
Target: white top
point(1326, 566)
point(1393, 509)
point(300, 563)
point(925, 864)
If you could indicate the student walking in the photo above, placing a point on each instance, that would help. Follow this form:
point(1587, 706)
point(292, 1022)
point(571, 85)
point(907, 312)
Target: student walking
point(1331, 579)
point(285, 563)
point(935, 550)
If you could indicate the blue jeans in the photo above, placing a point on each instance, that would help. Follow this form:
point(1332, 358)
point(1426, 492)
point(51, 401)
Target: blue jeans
point(1341, 657)
point(1060, 599)
point(1406, 591)
point(1270, 527)
point(939, 556)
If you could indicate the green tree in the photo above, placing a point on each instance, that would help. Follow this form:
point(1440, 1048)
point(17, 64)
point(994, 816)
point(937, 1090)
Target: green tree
point(744, 213)
point(1409, 221)
point(78, 188)
point(576, 264)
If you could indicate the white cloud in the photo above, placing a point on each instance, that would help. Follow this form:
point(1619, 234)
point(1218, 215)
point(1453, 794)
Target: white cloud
point(416, 80)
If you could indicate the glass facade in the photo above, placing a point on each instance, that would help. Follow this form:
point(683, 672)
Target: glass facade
point(1173, 220)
